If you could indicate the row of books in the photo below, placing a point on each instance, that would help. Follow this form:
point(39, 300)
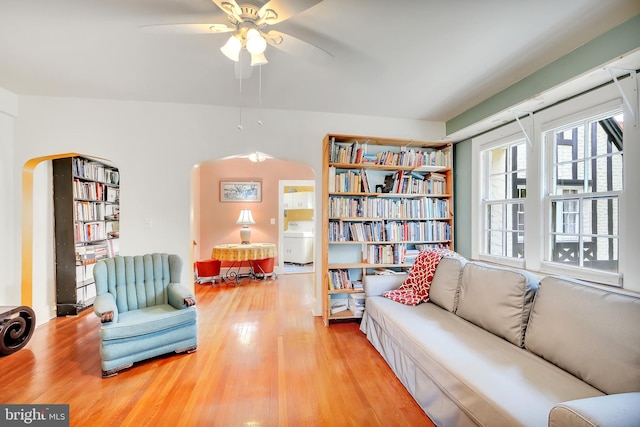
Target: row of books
point(401, 182)
point(92, 211)
point(384, 254)
point(92, 231)
point(390, 231)
point(416, 183)
point(417, 231)
point(341, 279)
point(95, 171)
point(357, 153)
point(92, 253)
point(344, 182)
point(94, 191)
point(369, 207)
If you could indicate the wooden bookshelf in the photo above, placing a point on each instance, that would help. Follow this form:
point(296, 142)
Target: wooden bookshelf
point(383, 200)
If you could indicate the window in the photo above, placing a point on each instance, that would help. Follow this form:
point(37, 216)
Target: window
point(504, 189)
point(552, 201)
point(585, 185)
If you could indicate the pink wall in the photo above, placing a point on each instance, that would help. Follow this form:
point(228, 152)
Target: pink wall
point(217, 221)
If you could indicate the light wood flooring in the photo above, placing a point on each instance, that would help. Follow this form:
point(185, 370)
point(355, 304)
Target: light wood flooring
point(262, 360)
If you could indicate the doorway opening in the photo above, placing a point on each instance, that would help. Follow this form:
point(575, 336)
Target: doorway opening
point(297, 230)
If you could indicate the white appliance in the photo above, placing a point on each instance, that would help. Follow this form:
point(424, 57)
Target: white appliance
point(298, 242)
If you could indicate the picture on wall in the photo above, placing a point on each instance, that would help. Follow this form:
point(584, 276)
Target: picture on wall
point(241, 191)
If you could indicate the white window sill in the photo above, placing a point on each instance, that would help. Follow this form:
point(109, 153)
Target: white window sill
point(613, 279)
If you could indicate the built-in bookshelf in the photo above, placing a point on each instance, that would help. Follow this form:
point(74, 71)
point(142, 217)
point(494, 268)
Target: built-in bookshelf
point(87, 214)
point(384, 200)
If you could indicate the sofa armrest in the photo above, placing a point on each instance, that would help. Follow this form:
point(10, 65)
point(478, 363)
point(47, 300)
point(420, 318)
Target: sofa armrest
point(177, 293)
point(620, 410)
point(105, 303)
point(375, 285)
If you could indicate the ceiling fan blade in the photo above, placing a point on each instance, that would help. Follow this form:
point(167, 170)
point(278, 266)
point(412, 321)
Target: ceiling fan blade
point(188, 28)
point(275, 11)
point(295, 46)
point(230, 7)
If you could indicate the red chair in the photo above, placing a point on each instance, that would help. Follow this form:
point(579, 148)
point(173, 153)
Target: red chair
point(207, 270)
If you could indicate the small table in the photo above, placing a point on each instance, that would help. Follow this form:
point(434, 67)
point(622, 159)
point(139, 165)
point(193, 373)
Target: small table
point(16, 327)
point(251, 252)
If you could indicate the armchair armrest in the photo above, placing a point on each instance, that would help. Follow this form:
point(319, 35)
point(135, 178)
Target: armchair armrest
point(177, 294)
point(619, 410)
point(375, 285)
point(105, 303)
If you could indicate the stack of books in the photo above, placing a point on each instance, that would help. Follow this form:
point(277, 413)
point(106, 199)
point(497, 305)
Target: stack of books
point(339, 304)
point(356, 304)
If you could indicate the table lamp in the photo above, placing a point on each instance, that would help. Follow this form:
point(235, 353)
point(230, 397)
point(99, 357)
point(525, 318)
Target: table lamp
point(245, 218)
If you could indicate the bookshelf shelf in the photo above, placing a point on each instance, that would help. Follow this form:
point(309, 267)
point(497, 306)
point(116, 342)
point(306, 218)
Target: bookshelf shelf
point(383, 200)
point(87, 212)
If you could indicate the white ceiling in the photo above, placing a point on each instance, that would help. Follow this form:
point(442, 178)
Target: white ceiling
point(421, 59)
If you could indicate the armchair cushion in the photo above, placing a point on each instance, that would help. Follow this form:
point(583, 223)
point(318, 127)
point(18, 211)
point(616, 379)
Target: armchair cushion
point(138, 322)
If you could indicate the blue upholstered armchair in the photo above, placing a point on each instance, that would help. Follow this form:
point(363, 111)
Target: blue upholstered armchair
point(145, 311)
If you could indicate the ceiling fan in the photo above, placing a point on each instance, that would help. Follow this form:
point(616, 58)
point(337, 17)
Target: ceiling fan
point(250, 24)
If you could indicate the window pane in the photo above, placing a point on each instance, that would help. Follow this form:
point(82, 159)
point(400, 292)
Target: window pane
point(565, 219)
point(514, 245)
point(498, 189)
point(600, 216)
point(498, 160)
point(494, 243)
point(565, 252)
point(616, 173)
point(601, 253)
point(495, 220)
point(515, 216)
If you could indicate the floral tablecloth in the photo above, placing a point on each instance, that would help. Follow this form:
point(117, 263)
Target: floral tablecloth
point(244, 252)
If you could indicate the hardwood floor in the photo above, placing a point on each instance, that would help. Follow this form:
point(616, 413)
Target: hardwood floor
point(262, 360)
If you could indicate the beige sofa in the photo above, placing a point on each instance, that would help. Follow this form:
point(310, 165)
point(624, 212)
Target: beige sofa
point(498, 347)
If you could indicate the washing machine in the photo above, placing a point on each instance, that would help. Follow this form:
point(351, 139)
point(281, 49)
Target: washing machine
point(298, 242)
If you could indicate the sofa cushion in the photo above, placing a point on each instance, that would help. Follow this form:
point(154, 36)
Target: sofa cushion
point(588, 331)
point(497, 299)
point(445, 287)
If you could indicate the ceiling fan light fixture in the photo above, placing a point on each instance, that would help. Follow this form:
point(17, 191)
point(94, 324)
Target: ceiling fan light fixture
point(258, 59)
point(231, 48)
point(256, 44)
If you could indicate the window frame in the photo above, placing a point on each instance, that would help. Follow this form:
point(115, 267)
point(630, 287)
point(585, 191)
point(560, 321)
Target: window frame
point(538, 211)
point(508, 142)
point(577, 116)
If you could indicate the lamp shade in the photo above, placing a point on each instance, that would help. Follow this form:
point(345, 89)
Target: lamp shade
point(256, 44)
point(245, 217)
point(231, 48)
point(258, 59)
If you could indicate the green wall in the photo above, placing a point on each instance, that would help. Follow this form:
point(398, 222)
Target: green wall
point(462, 198)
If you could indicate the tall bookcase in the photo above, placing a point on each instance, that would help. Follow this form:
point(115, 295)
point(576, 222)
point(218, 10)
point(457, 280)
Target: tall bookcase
point(383, 201)
point(86, 209)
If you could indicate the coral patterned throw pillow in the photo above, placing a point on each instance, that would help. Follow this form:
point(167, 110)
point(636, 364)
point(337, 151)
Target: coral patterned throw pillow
point(415, 288)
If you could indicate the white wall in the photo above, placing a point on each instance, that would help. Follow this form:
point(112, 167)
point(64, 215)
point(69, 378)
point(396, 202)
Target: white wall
point(155, 147)
point(9, 268)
